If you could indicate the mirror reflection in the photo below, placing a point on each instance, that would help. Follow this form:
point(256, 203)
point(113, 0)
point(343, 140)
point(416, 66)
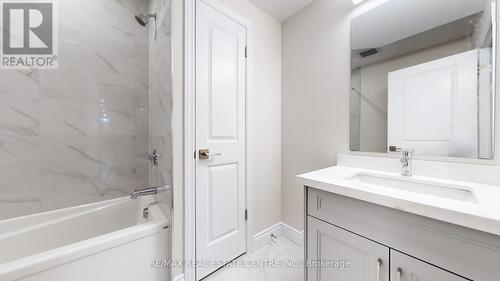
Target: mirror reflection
point(421, 78)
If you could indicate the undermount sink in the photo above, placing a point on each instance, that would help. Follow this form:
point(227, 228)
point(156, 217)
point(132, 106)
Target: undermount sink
point(449, 191)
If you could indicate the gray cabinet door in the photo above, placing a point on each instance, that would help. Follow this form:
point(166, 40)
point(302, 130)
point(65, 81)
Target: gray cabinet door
point(406, 268)
point(338, 255)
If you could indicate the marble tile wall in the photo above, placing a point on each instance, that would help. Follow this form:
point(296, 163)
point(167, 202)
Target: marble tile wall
point(160, 102)
point(78, 134)
point(160, 68)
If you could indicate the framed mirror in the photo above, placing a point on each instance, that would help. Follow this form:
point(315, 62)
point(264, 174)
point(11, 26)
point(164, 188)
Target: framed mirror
point(422, 77)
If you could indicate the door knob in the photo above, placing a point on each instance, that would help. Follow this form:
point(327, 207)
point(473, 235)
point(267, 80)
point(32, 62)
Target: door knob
point(204, 154)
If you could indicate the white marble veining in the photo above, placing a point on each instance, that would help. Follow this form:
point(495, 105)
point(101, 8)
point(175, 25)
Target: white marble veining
point(160, 91)
point(80, 133)
point(482, 213)
point(20, 115)
point(281, 251)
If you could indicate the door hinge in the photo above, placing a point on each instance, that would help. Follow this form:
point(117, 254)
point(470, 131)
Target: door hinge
point(194, 153)
point(246, 214)
point(246, 52)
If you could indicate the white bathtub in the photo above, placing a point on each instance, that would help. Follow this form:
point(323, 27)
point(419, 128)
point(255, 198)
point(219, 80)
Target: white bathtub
point(102, 241)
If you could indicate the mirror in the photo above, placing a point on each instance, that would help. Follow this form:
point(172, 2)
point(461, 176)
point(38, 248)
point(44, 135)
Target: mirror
point(422, 78)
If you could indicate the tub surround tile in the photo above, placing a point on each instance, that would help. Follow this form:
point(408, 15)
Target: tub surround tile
point(19, 181)
point(82, 133)
point(63, 188)
point(97, 166)
point(160, 124)
point(84, 87)
point(20, 83)
point(61, 118)
point(19, 189)
point(18, 208)
point(75, 152)
point(78, 134)
point(19, 115)
point(19, 150)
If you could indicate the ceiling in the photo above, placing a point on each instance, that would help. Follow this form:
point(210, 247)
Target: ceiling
point(281, 9)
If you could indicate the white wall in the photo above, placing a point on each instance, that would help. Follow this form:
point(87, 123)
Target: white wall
point(315, 98)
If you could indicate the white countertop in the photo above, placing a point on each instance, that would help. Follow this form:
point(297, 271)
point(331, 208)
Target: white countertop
point(483, 214)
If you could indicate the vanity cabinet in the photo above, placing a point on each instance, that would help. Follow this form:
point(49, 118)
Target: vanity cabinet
point(346, 256)
point(406, 268)
point(378, 240)
point(337, 254)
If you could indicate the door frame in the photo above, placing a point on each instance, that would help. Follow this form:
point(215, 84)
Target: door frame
point(190, 130)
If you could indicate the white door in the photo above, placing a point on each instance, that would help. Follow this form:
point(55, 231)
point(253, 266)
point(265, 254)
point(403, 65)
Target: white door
point(220, 129)
point(432, 107)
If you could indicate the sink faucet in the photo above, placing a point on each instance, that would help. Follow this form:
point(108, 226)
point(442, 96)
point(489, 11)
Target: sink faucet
point(143, 192)
point(407, 162)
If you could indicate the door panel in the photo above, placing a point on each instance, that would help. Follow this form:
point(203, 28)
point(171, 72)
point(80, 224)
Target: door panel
point(223, 217)
point(220, 128)
point(432, 107)
point(406, 268)
point(223, 96)
point(351, 257)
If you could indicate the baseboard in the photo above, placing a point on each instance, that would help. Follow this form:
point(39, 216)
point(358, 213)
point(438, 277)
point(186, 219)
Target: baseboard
point(262, 238)
point(179, 277)
point(280, 229)
point(292, 234)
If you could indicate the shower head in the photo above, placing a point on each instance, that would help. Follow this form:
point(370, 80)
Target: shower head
point(144, 19)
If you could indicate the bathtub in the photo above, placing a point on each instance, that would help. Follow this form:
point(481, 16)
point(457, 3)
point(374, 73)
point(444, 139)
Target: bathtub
point(106, 241)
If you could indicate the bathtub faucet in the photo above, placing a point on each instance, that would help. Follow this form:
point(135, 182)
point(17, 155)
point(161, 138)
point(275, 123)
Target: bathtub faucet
point(143, 192)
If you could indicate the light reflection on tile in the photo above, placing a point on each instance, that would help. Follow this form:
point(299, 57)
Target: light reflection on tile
point(85, 118)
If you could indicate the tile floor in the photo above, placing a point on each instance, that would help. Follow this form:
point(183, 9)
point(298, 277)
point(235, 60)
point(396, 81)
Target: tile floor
point(282, 252)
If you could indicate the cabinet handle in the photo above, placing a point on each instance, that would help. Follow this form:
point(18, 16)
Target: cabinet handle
point(379, 265)
point(398, 274)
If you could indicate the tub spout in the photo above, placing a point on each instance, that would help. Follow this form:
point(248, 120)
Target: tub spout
point(143, 192)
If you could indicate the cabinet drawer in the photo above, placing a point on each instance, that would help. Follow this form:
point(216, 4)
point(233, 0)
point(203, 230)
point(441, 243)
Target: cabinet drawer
point(406, 268)
point(467, 252)
point(343, 255)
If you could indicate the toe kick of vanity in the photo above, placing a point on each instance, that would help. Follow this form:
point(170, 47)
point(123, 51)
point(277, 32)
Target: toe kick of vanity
point(350, 239)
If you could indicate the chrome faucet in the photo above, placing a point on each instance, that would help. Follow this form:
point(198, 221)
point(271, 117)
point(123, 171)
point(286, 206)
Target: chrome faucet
point(407, 162)
point(143, 192)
